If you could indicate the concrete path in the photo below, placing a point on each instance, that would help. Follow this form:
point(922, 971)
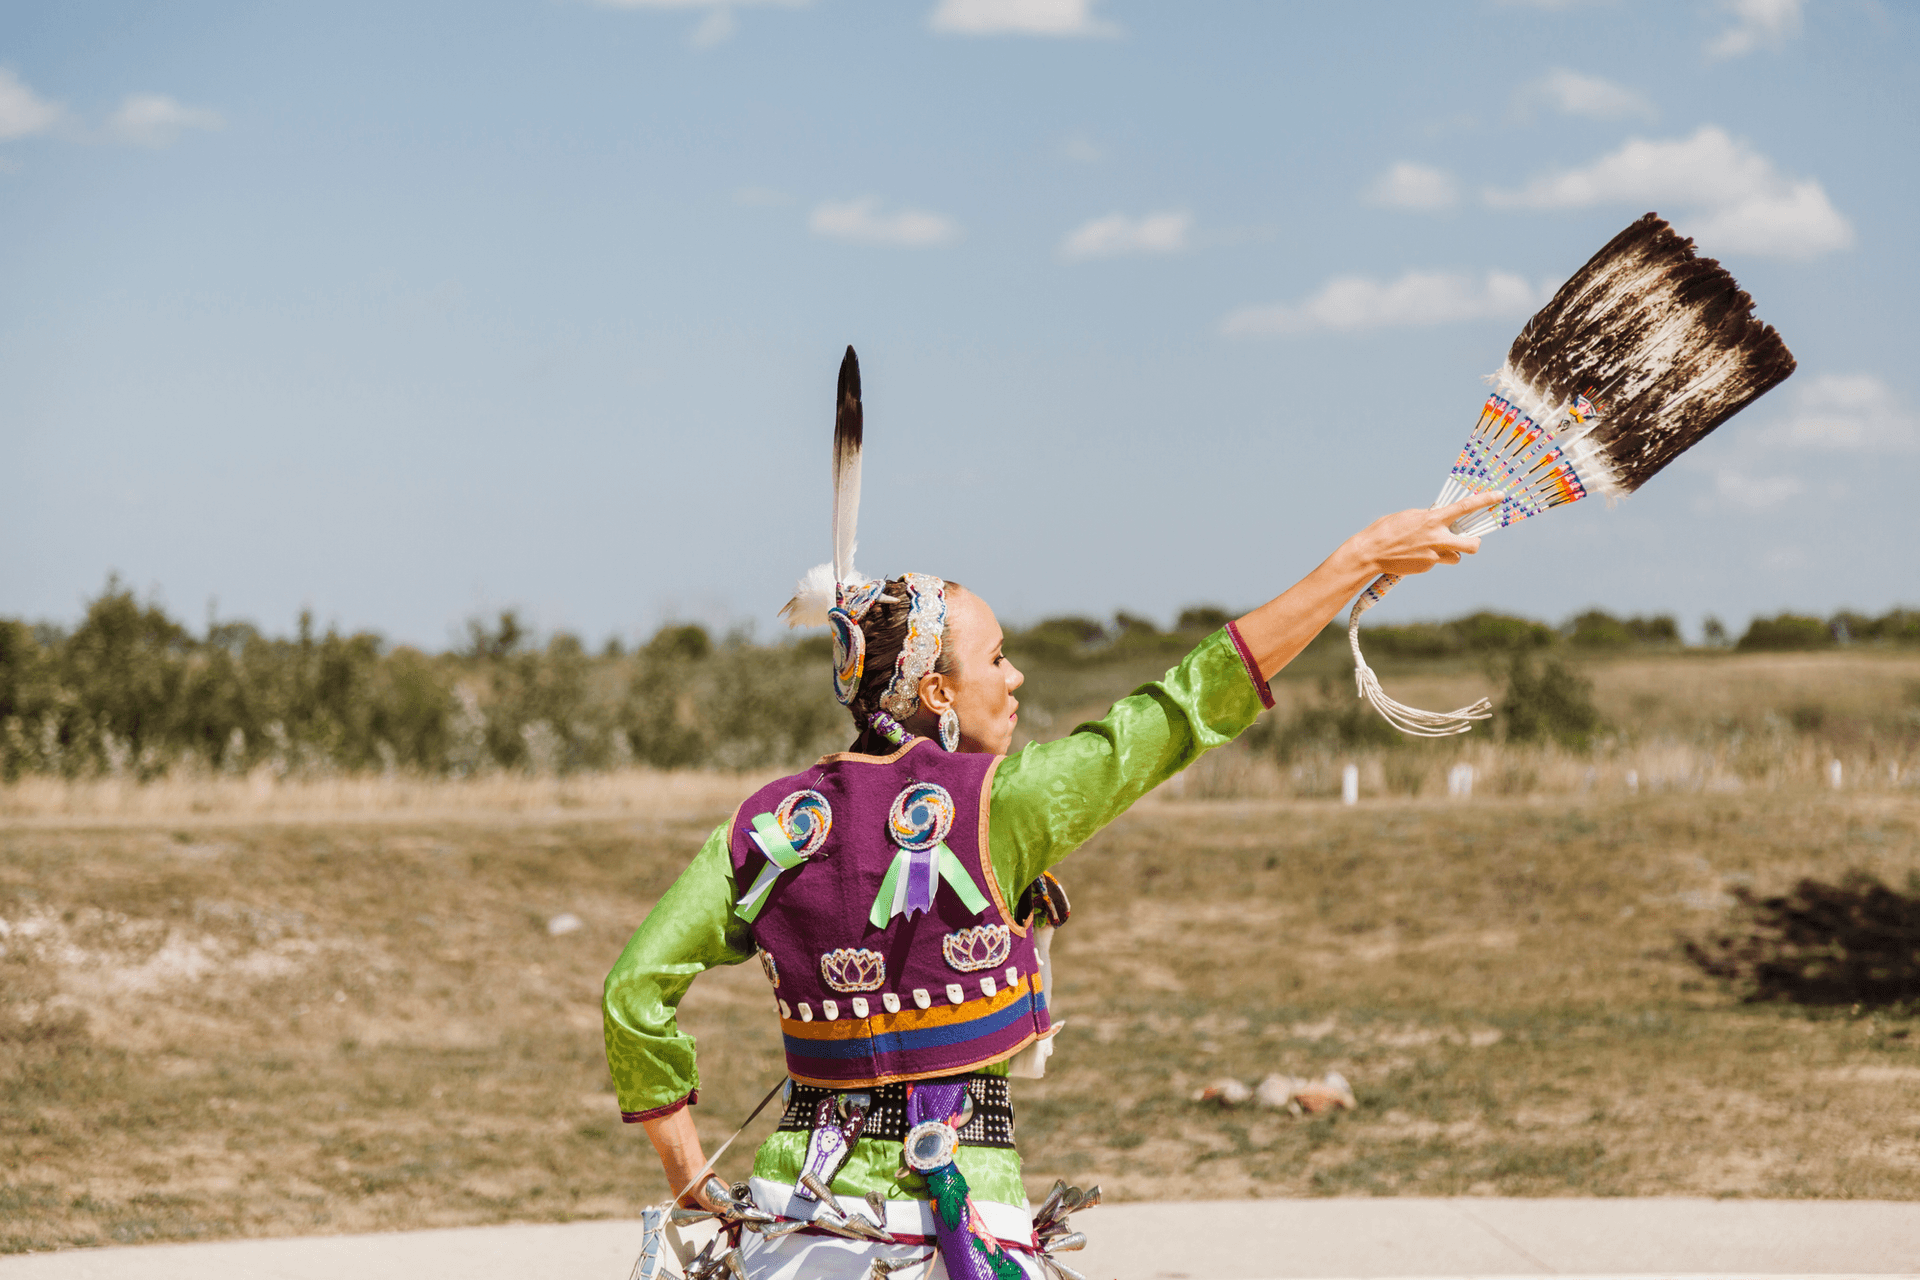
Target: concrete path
point(1227, 1240)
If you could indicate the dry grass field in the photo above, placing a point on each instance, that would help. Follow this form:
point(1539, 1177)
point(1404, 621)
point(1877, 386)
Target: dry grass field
point(255, 1004)
point(269, 1023)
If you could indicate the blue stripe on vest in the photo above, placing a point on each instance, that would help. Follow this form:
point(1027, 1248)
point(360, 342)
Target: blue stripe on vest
point(894, 1042)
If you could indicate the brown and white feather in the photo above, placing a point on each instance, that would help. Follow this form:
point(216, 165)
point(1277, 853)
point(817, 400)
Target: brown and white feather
point(1663, 340)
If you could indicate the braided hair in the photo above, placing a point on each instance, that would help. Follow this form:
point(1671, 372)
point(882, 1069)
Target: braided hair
point(885, 628)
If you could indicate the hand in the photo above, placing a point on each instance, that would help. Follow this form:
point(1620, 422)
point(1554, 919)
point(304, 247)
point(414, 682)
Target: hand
point(1414, 541)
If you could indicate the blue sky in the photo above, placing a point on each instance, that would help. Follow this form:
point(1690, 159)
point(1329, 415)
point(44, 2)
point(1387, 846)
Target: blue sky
point(405, 312)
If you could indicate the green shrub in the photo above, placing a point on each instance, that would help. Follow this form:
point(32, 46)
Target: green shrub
point(1477, 633)
point(1597, 629)
point(1546, 701)
point(1202, 619)
point(1501, 633)
point(1897, 626)
point(1785, 633)
point(1057, 640)
point(1337, 721)
point(1411, 640)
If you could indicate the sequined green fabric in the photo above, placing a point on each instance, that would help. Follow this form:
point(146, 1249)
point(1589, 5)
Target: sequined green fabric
point(1047, 800)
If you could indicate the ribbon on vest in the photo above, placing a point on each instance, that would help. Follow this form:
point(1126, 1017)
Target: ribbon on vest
point(913, 879)
point(970, 1250)
point(781, 856)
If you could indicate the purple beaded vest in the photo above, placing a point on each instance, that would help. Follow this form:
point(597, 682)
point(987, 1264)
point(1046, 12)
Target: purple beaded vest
point(892, 952)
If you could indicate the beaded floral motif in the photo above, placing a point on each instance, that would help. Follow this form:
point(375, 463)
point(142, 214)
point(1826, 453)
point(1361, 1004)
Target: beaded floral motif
point(926, 623)
point(771, 969)
point(853, 969)
point(985, 946)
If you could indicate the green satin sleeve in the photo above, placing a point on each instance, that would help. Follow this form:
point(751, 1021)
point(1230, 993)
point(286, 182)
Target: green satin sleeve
point(691, 929)
point(1051, 797)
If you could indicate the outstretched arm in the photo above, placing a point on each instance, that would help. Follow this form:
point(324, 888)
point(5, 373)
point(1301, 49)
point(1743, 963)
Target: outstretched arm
point(1404, 543)
point(1050, 798)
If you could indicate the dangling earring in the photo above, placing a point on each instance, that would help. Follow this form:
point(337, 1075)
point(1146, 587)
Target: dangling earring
point(950, 729)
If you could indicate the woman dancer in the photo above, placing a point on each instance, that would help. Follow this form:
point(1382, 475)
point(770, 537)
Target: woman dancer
point(894, 894)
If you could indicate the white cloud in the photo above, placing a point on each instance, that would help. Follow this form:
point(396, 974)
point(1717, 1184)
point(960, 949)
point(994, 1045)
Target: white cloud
point(1117, 235)
point(1350, 304)
point(1414, 186)
point(1081, 149)
point(1853, 414)
point(1756, 493)
point(700, 4)
point(1850, 413)
point(1577, 94)
point(716, 28)
point(861, 222)
point(1020, 17)
point(22, 111)
point(718, 24)
point(1743, 203)
point(1785, 560)
point(155, 120)
point(1799, 222)
point(1755, 23)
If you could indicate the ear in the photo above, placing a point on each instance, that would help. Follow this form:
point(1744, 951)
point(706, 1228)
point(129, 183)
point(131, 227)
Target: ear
point(936, 693)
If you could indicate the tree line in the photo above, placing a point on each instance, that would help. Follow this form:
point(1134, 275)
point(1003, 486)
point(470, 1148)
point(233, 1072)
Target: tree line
point(131, 691)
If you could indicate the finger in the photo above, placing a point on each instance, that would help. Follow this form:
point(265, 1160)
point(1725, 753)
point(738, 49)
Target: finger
point(1467, 506)
point(1460, 543)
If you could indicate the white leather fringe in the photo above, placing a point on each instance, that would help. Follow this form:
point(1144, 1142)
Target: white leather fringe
point(1408, 720)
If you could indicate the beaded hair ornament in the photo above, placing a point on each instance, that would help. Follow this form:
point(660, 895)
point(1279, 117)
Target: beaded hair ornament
point(838, 596)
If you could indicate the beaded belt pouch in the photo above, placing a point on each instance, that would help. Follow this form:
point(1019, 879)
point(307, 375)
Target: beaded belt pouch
point(991, 1125)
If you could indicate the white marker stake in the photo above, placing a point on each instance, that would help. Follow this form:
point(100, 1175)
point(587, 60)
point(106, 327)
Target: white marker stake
point(1350, 784)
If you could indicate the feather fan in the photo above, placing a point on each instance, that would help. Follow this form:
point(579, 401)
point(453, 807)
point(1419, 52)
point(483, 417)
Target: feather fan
point(1637, 357)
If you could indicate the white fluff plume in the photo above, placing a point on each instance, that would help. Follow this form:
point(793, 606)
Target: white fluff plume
point(813, 595)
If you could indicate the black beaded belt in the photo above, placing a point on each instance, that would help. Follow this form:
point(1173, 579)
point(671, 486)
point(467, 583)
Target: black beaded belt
point(991, 1126)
